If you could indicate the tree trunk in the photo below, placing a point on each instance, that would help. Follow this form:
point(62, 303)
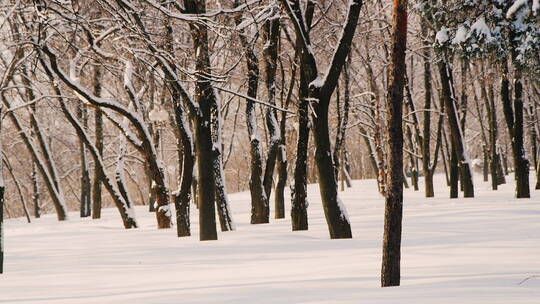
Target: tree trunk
point(456, 133)
point(514, 121)
point(271, 30)
point(390, 273)
point(426, 128)
point(2, 189)
point(260, 209)
point(222, 203)
point(98, 118)
point(205, 98)
point(86, 190)
point(36, 199)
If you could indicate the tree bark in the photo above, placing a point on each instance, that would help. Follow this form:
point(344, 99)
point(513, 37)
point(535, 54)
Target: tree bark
point(390, 273)
point(205, 98)
point(98, 119)
point(456, 134)
point(260, 209)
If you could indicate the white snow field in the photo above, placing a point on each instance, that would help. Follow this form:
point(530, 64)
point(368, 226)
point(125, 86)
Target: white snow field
point(481, 250)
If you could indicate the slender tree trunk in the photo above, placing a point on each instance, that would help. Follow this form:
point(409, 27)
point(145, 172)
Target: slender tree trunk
point(2, 189)
point(36, 200)
point(282, 162)
point(86, 190)
point(98, 120)
point(222, 203)
point(182, 198)
point(426, 128)
point(390, 273)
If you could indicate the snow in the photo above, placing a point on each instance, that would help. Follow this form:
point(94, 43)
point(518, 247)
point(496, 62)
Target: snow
point(481, 250)
point(480, 27)
point(515, 7)
point(318, 82)
point(442, 36)
point(461, 35)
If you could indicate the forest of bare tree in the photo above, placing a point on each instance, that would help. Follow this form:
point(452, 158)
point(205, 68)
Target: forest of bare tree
point(176, 104)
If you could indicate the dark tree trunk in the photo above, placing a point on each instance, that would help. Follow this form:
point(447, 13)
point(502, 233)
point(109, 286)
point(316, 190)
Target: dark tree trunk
point(205, 98)
point(485, 163)
point(96, 187)
point(98, 119)
point(185, 178)
point(343, 119)
point(456, 132)
point(2, 235)
point(36, 200)
point(282, 162)
point(454, 173)
point(390, 273)
point(86, 186)
point(521, 163)
point(299, 203)
point(514, 120)
point(271, 37)
point(2, 189)
point(426, 135)
point(222, 202)
point(260, 209)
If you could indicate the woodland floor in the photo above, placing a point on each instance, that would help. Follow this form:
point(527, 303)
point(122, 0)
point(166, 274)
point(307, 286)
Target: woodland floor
point(481, 250)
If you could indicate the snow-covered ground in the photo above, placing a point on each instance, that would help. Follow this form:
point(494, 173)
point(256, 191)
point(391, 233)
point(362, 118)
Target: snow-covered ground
point(481, 250)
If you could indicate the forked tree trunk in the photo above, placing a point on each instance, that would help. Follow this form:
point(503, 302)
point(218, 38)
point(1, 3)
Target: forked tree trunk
point(319, 92)
point(260, 209)
point(393, 212)
point(271, 31)
point(282, 162)
point(458, 143)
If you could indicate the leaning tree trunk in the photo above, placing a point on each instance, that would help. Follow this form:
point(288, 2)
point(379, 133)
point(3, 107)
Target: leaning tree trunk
point(390, 273)
point(456, 134)
point(222, 203)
